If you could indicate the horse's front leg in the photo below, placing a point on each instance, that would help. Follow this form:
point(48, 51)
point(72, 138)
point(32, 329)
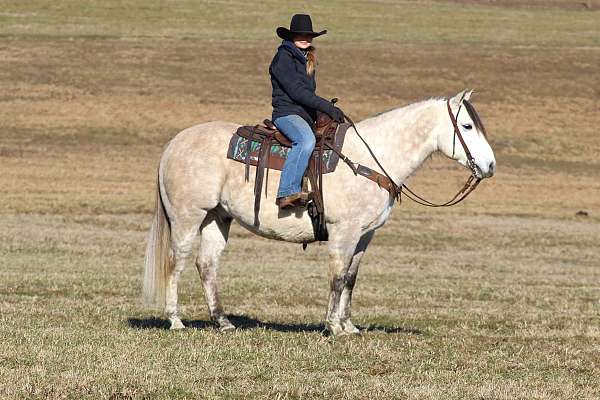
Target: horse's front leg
point(344, 312)
point(339, 263)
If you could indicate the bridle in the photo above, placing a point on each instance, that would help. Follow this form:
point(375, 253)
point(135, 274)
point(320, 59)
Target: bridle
point(469, 186)
point(475, 170)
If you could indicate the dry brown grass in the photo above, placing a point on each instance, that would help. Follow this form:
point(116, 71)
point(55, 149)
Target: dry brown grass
point(580, 5)
point(494, 299)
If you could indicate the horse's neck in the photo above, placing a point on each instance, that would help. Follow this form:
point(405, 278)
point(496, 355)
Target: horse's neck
point(404, 137)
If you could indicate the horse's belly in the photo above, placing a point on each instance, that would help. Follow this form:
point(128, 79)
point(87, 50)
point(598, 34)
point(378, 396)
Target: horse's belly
point(238, 201)
point(288, 228)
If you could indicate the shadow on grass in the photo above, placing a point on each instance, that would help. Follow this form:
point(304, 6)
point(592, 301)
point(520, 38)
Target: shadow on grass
point(243, 323)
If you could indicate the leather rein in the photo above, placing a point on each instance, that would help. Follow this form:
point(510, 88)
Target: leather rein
point(469, 186)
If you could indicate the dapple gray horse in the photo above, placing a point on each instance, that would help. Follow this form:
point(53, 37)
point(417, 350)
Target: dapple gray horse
point(200, 191)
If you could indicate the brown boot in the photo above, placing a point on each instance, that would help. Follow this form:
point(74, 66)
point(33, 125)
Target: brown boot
point(293, 200)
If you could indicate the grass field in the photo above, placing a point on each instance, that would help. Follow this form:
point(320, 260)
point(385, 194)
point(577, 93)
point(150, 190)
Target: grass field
point(498, 298)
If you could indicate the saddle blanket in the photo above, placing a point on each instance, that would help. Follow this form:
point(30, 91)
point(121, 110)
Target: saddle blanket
point(239, 147)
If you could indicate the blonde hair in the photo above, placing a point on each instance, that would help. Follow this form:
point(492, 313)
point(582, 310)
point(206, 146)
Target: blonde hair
point(311, 60)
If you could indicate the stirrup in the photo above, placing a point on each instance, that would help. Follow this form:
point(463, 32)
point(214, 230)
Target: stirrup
point(299, 199)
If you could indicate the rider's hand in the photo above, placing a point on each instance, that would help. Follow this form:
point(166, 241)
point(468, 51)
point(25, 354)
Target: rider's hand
point(336, 114)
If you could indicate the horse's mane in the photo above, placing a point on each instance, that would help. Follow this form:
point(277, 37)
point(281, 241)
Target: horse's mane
point(405, 107)
point(470, 110)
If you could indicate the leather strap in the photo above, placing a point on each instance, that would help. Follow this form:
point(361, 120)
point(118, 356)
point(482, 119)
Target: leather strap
point(319, 171)
point(263, 156)
point(470, 159)
point(248, 148)
point(380, 179)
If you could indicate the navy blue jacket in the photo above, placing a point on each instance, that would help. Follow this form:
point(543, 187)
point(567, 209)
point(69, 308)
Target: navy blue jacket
point(293, 89)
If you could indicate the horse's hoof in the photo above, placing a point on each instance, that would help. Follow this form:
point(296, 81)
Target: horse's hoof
point(227, 328)
point(350, 329)
point(335, 330)
point(225, 325)
point(176, 324)
point(353, 331)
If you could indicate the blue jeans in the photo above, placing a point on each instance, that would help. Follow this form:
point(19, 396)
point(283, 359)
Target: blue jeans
point(295, 128)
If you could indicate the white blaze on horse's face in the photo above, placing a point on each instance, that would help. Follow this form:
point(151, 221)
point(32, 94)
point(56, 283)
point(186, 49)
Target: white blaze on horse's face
point(473, 133)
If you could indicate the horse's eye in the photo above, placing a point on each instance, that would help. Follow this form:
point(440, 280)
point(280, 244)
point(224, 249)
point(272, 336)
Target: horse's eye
point(467, 126)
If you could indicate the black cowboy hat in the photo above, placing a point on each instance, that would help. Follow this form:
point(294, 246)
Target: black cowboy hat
point(302, 25)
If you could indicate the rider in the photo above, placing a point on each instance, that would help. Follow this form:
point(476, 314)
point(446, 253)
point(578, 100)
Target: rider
point(295, 104)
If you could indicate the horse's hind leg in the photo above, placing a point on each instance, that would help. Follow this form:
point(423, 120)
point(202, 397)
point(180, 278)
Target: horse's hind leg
point(213, 239)
point(183, 232)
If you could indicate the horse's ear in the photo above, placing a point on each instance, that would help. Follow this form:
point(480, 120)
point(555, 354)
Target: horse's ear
point(468, 93)
point(464, 95)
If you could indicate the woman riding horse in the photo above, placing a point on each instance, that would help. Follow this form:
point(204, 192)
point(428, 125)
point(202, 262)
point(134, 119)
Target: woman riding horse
point(295, 104)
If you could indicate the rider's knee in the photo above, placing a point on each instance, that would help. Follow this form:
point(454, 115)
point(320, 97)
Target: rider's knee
point(308, 143)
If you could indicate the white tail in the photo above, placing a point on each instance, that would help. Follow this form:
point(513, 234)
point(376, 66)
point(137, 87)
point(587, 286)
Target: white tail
point(159, 258)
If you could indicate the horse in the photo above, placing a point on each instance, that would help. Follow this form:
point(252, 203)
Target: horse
point(200, 191)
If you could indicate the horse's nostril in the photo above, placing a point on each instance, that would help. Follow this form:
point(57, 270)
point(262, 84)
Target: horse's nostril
point(492, 167)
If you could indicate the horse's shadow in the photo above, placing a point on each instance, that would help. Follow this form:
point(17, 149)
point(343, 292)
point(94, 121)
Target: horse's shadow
point(245, 323)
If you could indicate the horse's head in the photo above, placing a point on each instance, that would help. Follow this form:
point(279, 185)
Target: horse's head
point(473, 134)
